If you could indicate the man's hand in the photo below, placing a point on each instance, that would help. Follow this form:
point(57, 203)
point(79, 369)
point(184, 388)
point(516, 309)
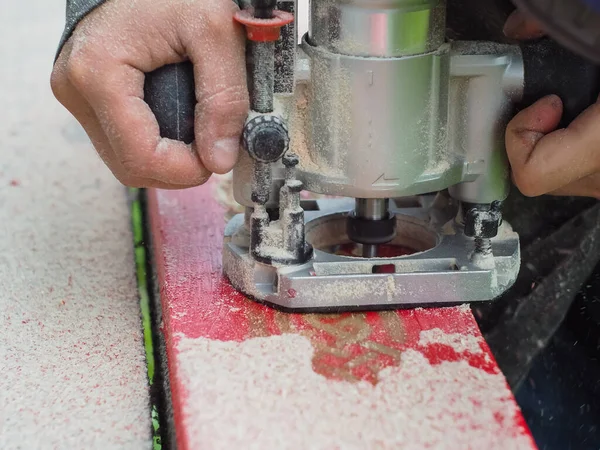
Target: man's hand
point(99, 78)
point(544, 159)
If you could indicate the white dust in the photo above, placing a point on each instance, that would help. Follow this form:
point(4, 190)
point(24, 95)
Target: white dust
point(264, 394)
point(459, 342)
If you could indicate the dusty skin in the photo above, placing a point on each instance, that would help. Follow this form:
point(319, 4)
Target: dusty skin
point(99, 78)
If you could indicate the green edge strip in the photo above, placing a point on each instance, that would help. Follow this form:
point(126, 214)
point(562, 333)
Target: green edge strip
point(140, 262)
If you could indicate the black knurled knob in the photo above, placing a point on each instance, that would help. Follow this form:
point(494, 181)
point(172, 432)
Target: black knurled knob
point(266, 138)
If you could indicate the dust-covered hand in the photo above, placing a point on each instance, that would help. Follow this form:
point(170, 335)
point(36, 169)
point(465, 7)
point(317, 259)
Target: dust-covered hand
point(99, 78)
point(544, 159)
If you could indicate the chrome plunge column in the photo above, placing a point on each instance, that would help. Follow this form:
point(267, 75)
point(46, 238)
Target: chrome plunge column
point(378, 98)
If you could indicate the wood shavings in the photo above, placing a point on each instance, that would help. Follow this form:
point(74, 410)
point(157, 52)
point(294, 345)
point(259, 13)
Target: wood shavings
point(263, 393)
point(224, 195)
point(459, 342)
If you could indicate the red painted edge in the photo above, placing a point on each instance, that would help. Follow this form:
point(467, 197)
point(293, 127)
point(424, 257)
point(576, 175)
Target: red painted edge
point(197, 301)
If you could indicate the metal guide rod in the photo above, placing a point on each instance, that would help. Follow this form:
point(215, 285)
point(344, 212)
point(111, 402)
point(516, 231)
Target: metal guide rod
point(266, 140)
point(263, 76)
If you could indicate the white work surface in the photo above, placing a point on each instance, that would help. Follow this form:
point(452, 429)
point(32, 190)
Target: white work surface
point(73, 369)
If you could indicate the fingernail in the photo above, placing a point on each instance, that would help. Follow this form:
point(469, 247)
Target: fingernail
point(554, 101)
point(514, 24)
point(225, 154)
point(530, 138)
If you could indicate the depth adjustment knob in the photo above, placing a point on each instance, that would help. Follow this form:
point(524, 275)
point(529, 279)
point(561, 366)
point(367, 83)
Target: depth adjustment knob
point(266, 138)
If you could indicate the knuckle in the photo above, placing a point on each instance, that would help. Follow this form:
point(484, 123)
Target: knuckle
point(511, 128)
point(78, 72)
point(57, 83)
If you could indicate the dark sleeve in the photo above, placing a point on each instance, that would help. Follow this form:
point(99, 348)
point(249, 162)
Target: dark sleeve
point(76, 10)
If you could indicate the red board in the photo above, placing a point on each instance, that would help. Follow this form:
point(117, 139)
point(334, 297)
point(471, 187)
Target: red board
point(243, 375)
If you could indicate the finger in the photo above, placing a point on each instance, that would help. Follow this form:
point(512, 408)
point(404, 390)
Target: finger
point(520, 27)
point(114, 90)
point(544, 160)
point(77, 105)
point(585, 187)
point(221, 89)
point(80, 109)
point(68, 96)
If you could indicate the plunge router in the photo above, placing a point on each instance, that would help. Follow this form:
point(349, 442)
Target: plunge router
point(404, 130)
point(403, 125)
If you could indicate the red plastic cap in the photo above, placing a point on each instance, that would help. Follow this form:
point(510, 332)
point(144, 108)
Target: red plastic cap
point(263, 30)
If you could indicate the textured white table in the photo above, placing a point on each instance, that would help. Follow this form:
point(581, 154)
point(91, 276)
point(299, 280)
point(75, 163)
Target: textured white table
point(73, 370)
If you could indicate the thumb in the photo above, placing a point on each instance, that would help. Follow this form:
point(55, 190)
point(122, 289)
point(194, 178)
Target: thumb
point(524, 132)
point(217, 51)
point(544, 160)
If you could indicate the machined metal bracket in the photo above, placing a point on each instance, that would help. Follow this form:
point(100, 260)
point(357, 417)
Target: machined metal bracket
point(443, 271)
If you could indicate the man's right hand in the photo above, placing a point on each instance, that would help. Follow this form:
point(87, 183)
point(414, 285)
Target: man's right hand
point(99, 78)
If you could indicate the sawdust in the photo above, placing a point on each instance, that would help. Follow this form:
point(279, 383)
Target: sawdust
point(459, 342)
point(244, 274)
point(328, 91)
point(263, 393)
point(486, 262)
point(71, 345)
point(224, 195)
point(299, 125)
point(272, 242)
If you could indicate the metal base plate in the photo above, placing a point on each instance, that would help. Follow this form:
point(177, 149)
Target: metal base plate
point(443, 271)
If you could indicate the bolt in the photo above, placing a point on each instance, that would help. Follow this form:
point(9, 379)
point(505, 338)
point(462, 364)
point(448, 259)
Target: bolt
point(483, 246)
point(482, 223)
